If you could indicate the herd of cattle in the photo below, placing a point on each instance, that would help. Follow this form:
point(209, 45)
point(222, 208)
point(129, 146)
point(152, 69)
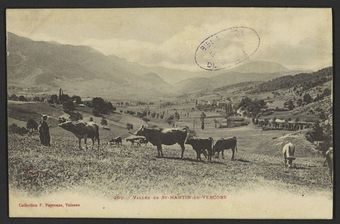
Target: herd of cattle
point(181, 136)
point(157, 137)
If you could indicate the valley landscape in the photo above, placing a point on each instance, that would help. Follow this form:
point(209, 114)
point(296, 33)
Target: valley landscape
point(262, 103)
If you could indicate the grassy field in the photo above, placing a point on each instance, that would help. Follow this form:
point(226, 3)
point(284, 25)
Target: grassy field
point(129, 170)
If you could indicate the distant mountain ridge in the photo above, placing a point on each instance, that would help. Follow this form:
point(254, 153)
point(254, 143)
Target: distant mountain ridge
point(85, 71)
point(304, 81)
point(78, 69)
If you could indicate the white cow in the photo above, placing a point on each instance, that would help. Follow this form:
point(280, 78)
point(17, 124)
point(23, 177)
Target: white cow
point(288, 151)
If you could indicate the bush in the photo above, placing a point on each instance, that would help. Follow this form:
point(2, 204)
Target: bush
point(77, 99)
point(15, 129)
point(75, 116)
point(36, 98)
point(153, 114)
point(103, 122)
point(129, 126)
point(53, 99)
point(32, 125)
point(14, 97)
point(68, 105)
point(307, 98)
point(170, 120)
point(252, 107)
point(22, 98)
point(95, 112)
point(289, 104)
point(64, 97)
point(316, 134)
point(145, 119)
point(101, 106)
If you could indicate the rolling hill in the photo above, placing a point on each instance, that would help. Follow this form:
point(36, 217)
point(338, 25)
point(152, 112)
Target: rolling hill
point(77, 69)
point(84, 71)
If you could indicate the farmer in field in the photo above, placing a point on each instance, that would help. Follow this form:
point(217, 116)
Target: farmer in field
point(44, 131)
point(202, 117)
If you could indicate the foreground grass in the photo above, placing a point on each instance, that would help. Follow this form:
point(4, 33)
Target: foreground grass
point(136, 170)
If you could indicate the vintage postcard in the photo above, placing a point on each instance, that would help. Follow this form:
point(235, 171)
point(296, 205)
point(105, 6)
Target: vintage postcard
point(170, 113)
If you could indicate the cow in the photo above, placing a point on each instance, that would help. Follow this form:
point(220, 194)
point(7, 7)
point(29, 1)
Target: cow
point(288, 151)
point(82, 130)
point(116, 141)
point(225, 143)
point(168, 136)
point(201, 145)
point(329, 161)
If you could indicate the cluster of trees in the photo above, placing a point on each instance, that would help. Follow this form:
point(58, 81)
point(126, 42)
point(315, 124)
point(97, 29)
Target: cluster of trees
point(100, 106)
point(17, 98)
point(252, 107)
point(307, 99)
point(321, 133)
point(324, 94)
point(166, 104)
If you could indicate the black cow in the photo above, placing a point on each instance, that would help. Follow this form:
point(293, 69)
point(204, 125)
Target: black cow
point(116, 141)
point(222, 144)
point(201, 145)
point(168, 136)
point(83, 130)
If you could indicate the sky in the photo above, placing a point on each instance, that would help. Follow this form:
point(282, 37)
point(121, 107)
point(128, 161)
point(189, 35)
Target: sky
point(298, 38)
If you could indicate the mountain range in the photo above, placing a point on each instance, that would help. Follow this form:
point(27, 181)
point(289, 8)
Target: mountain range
point(85, 71)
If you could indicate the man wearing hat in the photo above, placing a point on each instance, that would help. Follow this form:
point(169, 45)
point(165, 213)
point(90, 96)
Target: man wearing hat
point(44, 131)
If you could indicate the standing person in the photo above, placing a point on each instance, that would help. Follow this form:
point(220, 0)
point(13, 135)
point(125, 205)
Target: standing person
point(44, 132)
point(202, 117)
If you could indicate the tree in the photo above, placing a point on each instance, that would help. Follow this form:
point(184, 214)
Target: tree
point(32, 125)
point(170, 119)
point(60, 95)
point(22, 98)
point(129, 126)
point(14, 97)
point(77, 99)
point(299, 102)
point(153, 114)
point(290, 105)
point(103, 121)
point(36, 98)
point(326, 92)
point(95, 112)
point(316, 134)
point(323, 115)
point(307, 98)
point(75, 116)
point(53, 99)
point(177, 117)
point(101, 106)
point(64, 97)
point(68, 105)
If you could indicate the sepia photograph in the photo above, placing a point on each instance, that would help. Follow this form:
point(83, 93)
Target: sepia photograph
point(211, 112)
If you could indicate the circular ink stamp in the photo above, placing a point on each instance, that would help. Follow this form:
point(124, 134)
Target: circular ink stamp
point(227, 48)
